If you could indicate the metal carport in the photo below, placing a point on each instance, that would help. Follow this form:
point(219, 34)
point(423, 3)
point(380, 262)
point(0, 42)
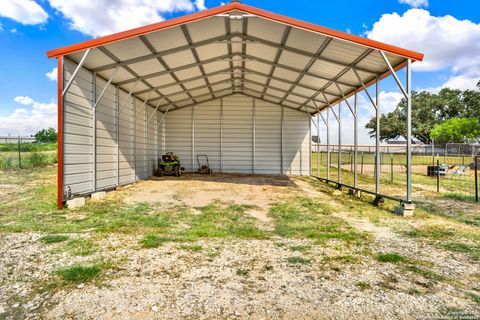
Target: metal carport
point(238, 83)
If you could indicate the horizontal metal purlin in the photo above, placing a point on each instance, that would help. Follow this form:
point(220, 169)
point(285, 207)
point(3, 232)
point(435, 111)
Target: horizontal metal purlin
point(339, 75)
point(226, 70)
point(274, 63)
point(320, 50)
point(186, 34)
point(113, 57)
point(171, 95)
point(163, 63)
point(164, 72)
point(160, 53)
point(253, 39)
point(206, 94)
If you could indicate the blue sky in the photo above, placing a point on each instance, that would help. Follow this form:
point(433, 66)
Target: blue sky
point(448, 32)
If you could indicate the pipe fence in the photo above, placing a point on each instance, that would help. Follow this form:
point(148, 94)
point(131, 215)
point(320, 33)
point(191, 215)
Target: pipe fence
point(451, 174)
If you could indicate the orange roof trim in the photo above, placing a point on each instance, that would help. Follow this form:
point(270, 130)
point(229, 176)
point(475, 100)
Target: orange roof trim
point(225, 9)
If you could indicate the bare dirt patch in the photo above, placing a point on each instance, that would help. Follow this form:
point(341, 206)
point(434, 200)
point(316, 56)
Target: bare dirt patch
point(197, 190)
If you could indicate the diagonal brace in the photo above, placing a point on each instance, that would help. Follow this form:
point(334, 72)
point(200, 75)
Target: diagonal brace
point(364, 87)
point(106, 86)
point(394, 74)
point(77, 69)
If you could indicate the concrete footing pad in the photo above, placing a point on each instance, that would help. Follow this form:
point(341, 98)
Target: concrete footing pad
point(405, 209)
point(75, 203)
point(98, 195)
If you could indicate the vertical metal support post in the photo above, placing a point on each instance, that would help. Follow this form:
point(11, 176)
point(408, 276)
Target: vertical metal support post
point(355, 141)
point(19, 154)
point(377, 138)
point(134, 139)
point(155, 132)
point(476, 163)
point(253, 136)
point(328, 144)
point(409, 131)
point(145, 140)
point(193, 138)
point(221, 134)
point(318, 144)
point(339, 179)
point(310, 144)
point(117, 137)
point(281, 140)
point(94, 129)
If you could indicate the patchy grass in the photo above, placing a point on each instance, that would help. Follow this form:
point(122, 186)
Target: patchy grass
point(391, 257)
point(81, 247)
point(79, 273)
point(53, 238)
point(219, 221)
point(153, 241)
point(475, 297)
point(427, 274)
point(312, 219)
point(472, 250)
point(298, 260)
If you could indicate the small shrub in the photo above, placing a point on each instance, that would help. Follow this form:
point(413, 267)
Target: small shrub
point(362, 285)
point(36, 159)
point(392, 257)
point(78, 273)
point(243, 272)
point(53, 238)
point(475, 297)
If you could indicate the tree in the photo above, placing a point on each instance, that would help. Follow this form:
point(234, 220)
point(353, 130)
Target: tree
point(460, 130)
point(428, 109)
point(46, 136)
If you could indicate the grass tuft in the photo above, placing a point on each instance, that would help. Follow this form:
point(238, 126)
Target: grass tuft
point(53, 238)
point(298, 260)
point(79, 273)
point(153, 241)
point(391, 257)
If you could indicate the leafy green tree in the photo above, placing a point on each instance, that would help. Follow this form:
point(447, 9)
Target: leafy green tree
point(428, 109)
point(459, 130)
point(46, 136)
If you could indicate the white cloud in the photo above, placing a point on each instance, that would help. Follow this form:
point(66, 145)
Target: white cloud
point(29, 119)
point(446, 41)
point(52, 75)
point(200, 4)
point(24, 11)
point(415, 3)
point(102, 17)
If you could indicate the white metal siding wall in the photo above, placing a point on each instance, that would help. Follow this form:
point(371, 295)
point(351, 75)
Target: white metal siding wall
point(238, 134)
point(296, 142)
point(178, 126)
point(207, 132)
point(78, 132)
point(105, 144)
point(233, 148)
point(105, 147)
point(267, 138)
point(126, 143)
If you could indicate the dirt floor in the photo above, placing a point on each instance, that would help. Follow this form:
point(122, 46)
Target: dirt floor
point(397, 268)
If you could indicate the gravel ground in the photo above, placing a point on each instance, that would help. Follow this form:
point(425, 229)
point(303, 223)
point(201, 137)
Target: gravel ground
point(239, 279)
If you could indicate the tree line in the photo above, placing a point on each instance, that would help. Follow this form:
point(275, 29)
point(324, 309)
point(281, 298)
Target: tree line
point(444, 117)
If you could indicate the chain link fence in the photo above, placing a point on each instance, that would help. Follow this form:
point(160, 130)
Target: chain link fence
point(451, 170)
point(24, 153)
